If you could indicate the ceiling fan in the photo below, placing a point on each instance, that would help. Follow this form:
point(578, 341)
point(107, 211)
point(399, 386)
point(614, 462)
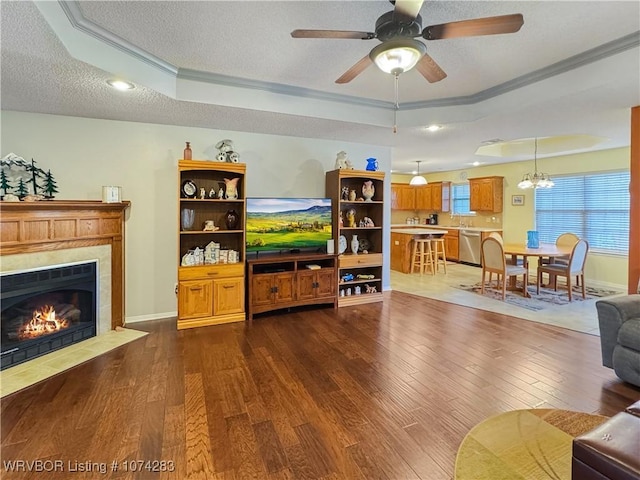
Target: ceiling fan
point(397, 30)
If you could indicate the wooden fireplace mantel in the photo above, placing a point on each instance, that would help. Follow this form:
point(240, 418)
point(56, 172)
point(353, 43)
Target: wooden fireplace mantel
point(29, 227)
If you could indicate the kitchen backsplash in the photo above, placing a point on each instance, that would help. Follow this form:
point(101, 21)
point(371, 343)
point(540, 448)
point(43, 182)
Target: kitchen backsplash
point(476, 220)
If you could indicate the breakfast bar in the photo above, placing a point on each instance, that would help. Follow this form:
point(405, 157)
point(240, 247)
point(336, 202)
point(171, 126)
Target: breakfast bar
point(401, 239)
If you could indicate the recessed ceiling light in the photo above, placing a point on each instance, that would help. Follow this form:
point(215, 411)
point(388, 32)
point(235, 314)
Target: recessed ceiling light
point(434, 128)
point(121, 85)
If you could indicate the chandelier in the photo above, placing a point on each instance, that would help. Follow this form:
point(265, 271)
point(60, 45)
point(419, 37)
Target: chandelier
point(537, 179)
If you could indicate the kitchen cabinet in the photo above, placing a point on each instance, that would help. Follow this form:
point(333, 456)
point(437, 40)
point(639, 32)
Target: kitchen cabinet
point(361, 271)
point(434, 196)
point(403, 196)
point(451, 245)
point(211, 286)
point(486, 194)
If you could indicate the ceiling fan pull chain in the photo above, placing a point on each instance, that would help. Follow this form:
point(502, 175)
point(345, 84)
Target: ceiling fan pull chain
point(396, 106)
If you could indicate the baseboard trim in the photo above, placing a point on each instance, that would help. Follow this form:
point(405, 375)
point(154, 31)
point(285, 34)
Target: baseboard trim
point(153, 316)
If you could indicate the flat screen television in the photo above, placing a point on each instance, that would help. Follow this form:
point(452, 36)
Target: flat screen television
point(288, 225)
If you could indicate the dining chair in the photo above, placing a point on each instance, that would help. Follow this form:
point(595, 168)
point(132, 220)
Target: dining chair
point(575, 266)
point(564, 240)
point(494, 261)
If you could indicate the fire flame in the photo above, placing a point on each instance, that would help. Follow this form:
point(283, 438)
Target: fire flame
point(44, 321)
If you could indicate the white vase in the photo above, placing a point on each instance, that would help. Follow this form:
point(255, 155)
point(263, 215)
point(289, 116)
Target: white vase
point(355, 244)
point(368, 190)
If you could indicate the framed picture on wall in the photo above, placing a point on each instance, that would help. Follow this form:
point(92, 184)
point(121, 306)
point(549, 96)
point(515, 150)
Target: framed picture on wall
point(517, 200)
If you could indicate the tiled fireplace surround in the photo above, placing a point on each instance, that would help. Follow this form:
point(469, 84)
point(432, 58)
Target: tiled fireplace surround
point(41, 234)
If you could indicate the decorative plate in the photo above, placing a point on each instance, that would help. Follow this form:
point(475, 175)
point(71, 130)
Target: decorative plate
point(342, 244)
point(189, 189)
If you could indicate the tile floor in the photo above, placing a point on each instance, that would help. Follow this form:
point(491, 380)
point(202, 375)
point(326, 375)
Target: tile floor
point(580, 315)
point(21, 376)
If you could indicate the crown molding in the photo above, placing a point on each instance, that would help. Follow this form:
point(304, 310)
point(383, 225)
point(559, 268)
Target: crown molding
point(75, 18)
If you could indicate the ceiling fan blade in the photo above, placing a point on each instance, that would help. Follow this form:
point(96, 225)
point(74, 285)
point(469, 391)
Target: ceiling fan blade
point(333, 34)
point(430, 69)
point(474, 27)
point(407, 10)
point(356, 70)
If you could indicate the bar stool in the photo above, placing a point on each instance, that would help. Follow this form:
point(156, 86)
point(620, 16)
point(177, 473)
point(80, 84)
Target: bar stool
point(439, 254)
point(422, 255)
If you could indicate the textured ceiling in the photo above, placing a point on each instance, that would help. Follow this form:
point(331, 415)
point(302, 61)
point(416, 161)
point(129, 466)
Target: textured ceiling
point(545, 80)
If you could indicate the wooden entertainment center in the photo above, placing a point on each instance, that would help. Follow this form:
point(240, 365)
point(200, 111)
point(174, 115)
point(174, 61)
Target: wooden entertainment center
point(276, 281)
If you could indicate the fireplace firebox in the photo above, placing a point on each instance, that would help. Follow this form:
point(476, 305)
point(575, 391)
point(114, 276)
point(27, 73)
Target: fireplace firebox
point(46, 309)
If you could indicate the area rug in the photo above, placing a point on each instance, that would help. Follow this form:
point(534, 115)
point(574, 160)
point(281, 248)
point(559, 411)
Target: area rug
point(545, 299)
point(523, 445)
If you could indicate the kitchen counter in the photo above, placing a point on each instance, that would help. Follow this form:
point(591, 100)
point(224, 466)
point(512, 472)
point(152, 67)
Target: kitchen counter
point(402, 241)
point(404, 226)
point(418, 231)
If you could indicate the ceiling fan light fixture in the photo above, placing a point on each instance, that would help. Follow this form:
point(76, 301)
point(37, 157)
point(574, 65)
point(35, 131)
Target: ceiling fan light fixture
point(398, 56)
point(417, 178)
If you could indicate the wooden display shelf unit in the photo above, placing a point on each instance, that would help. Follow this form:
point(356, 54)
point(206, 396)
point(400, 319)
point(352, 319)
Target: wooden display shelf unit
point(370, 263)
point(214, 293)
point(278, 281)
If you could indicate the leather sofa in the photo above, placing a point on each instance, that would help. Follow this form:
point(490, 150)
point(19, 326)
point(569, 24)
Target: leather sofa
point(611, 450)
point(619, 321)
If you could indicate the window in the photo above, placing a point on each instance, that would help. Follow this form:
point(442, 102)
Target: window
point(460, 198)
point(594, 207)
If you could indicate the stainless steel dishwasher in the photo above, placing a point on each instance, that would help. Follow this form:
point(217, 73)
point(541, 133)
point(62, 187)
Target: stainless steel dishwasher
point(470, 241)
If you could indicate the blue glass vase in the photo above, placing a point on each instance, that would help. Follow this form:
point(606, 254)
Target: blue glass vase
point(533, 239)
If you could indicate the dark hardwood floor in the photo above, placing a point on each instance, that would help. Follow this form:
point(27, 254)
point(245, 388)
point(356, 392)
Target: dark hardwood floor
point(376, 391)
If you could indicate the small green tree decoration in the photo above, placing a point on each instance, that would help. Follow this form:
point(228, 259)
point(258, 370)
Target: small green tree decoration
point(50, 186)
point(34, 173)
point(22, 190)
point(5, 185)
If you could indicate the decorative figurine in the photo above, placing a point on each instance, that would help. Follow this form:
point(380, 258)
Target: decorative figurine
point(345, 193)
point(342, 161)
point(351, 217)
point(232, 188)
point(210, 226)
point(212, 193)
point(227, 154)
point(221, 193)
point(203, 193)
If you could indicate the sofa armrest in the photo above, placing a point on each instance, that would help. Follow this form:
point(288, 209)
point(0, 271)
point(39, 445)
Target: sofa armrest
point(612, 313)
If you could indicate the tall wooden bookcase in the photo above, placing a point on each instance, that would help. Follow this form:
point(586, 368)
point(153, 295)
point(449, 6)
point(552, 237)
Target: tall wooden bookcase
point(361, 271)
point(211, 291)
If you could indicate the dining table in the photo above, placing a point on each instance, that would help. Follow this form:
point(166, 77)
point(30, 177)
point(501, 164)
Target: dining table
point(544, 250)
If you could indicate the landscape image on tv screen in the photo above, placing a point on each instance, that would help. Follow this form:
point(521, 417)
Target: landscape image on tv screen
point(276, 224)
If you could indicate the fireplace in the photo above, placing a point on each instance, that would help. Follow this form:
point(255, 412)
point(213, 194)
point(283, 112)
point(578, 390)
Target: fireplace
point(46, 309)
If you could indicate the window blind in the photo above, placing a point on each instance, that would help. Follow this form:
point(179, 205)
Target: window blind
point(594, 207)
point(460, 197)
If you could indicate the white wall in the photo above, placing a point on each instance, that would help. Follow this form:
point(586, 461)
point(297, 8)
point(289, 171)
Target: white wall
point(84, 154)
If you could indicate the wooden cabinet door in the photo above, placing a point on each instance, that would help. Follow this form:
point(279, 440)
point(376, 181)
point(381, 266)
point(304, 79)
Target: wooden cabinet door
point(284, 284)
point(326, 283)
point(451, 244)
point(228, 296)
point(486, 194)
point(262, 290)
point(424, 199)
point(195, 299)
point(403, 197)
point(306, 285)
point(436, 197)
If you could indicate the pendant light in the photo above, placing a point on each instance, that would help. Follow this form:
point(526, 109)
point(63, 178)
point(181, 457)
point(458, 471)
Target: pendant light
point(418, 179)
point(537, 179)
